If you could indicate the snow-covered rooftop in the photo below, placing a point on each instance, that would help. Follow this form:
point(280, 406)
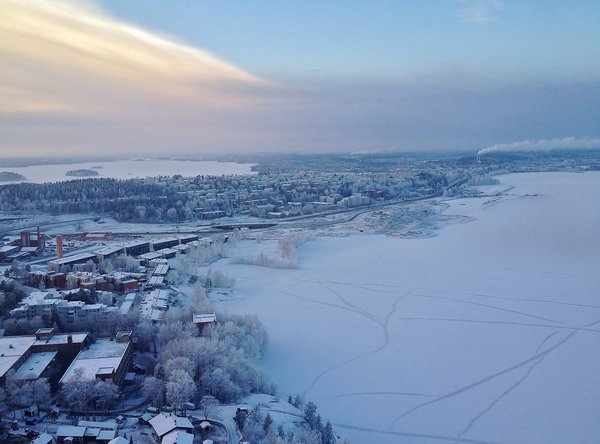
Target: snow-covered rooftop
point(35, 365)
point(65, 431)
point(204, 318)
point(100, 356)
point(178, 437)
point(11, 350)
point(63, 338)
point(164, 423)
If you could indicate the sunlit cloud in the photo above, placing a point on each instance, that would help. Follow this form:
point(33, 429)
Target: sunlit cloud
point(70, 57)
point(479, 11)
point(75, 81)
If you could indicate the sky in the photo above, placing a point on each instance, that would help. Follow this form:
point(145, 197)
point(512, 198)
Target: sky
point(208, 77)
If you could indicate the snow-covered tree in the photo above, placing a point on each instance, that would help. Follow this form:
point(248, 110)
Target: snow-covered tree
point(180, 388)
point(106, 393)
point(77, 392)
point(154, 389)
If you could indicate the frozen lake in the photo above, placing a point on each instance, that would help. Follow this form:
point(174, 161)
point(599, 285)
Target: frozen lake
point(128, 169)
point(487, 332)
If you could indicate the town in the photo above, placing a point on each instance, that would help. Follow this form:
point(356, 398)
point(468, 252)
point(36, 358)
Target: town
point(109, 332)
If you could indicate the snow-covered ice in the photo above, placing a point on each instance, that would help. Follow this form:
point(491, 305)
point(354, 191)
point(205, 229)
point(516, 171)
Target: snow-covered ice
point(487, 332)
point(128, 169)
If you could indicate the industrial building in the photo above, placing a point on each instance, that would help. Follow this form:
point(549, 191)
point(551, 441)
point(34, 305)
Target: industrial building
point(106, 359)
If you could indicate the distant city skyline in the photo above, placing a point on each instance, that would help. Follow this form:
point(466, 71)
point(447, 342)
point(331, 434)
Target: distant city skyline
point(208, 77)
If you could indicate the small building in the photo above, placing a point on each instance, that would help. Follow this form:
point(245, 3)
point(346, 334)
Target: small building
point(7, 250)
point(178, 437)
point(65, 432)
point(44, 438)
point(203, 320)
point(164, 423)
point(119, 440)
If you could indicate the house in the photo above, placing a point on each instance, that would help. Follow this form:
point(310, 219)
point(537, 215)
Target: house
point(65, 432)
point(202, 320)
point(119, 440)
point(164, 423)
point(178, 437)
point(44, 438)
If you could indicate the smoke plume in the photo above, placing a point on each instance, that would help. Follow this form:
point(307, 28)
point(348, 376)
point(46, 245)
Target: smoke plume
point(544, 145)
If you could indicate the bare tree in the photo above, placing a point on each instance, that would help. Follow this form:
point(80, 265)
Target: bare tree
point(209, 404)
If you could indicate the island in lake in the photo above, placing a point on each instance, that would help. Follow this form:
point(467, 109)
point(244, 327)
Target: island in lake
point(82, 173)
point(9, 176)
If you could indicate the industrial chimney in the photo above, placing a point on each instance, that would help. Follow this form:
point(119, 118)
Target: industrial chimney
point(59, 246)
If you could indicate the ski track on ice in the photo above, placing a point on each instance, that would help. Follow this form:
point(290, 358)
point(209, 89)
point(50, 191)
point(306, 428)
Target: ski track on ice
point(493, 376)
point(494, 307)
point(491, 322)
point(546, 301)
point(509, 389)
point(413, 435)
point(384, 325)
point(347, 395)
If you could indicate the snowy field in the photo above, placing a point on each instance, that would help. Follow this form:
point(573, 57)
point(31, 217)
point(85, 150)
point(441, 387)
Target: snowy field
point(128, 169)
point(488, 331)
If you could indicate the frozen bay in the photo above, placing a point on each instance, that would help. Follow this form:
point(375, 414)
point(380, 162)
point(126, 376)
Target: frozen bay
point(487, 332)
point(129, 169)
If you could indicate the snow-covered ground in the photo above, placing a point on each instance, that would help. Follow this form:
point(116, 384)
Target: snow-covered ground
point(487, 332)
point(128, 169)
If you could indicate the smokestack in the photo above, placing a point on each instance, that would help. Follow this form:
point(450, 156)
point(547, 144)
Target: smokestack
point(25, 239)
point(59, 246)
point(40, 246)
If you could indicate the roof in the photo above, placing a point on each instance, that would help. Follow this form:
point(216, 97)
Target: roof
point(163, 240)
point(104, 425)
point(82, 257)
point(35, 365)
point(63, 338)
point(100, 356)
point(178, 437)
point(163, 423)
point(107, 251)
point(125, 307)
point(156, 280)
point(44, 438)
point(91, 432)
point(65, 431)
point(106, 435)
point(119, 440)
point(161, 269)
point(12, 348)
point(204, 318)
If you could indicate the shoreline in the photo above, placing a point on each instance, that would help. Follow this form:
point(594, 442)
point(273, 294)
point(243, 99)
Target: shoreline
point(404, 297)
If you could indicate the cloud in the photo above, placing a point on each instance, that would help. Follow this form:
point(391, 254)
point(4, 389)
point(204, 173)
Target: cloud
point(479, 11)
point(69, 57)
point(544, 145)
point(75, 81)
